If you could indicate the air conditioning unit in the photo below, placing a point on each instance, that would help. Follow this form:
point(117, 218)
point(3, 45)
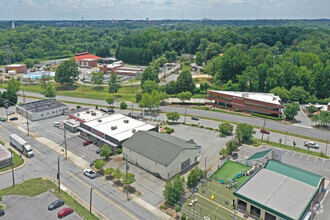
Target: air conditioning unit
point(99, 120)
point(126, 121)
point(133, 131)
point(94, 113)
point(113, 127)
point(88, 111)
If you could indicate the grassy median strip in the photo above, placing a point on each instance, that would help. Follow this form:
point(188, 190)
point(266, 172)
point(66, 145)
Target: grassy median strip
point(258, 142)
point(34, 187)
point(17, 160)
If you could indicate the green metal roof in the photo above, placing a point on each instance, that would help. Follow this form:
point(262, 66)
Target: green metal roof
point(159, 147)
point(259, 155)
point(304, 176)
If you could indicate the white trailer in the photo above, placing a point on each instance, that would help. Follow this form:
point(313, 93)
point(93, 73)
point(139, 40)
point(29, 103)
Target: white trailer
point(21, 145)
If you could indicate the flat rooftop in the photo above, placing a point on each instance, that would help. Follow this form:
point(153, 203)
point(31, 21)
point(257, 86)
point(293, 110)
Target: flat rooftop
point(4, 153)
point(42, 105)
point(263, 97)
point(89, 114)
point(15, 65)
point(125, 126)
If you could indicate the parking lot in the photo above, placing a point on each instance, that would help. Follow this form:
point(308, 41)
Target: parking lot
point(22, 207)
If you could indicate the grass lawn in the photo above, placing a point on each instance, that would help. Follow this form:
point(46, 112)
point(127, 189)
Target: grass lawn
point(230, 170)
point(37, 186)
point(17, 160)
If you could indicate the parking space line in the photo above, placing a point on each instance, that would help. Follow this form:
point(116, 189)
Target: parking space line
point(293, 154)
point(286, 152)
point(102, 195)
point(308, 157)
point(323, 161)
point(315, 159)
point(300, 156)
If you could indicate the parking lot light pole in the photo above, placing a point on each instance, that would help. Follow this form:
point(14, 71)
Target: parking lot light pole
point(12, 168)
point(66, 151)
point(58, 173)
point(205, 166)
point(126, 177)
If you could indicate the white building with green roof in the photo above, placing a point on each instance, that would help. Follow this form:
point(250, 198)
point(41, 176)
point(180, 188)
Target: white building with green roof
point(160, 153)
point(279, 191)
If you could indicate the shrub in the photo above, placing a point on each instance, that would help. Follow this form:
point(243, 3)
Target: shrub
point(183, 217)
point(312, 109)
point(123, 105)
point(177, 208)
point(118, 151)
point(78, 107)
point(96, 107)
point(163, 207)
point(268, 117)
point(226, 128)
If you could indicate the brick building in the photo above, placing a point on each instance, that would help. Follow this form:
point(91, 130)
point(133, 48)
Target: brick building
point(119, 69)
point(18, 68)
point(264, 103)
point(86, 59)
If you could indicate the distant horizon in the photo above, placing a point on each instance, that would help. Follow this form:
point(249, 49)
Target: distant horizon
point(207, 19)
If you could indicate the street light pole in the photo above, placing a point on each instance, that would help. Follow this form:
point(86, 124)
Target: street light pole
point(285, 136)
point(326, 147)
point(90, 200)
point(126, 177)
point(58, 173)
point(263, 128)
point(66, 152)
point(205, 165)
point(12, 169)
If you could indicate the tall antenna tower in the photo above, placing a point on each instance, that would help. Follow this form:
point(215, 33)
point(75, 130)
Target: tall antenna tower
point(12, 25)
point(8, 54)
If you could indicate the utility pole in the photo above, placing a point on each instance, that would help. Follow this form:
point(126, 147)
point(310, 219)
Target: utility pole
point(263, 128)
point(27, 123)
point(286, 133)
point(12, 169)
point(205, 166)
point(6, 107)
point(23, 97)
point(90, 200)
point(58, 173)
point(66, 152)
point(185, 112)
point(126, 177)
point(326, 147)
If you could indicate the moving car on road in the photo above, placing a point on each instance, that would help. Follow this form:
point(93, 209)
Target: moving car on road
point(311, 144)
point(87, 142)
point(56, 204)
point(64, 212)
point(90, 173)
point(57, 124)
point(264, 131)
point(2, 119)
point(13, 119)
point(2, 212)
point(194, 118)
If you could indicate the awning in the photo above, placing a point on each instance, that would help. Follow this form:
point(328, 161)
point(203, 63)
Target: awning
point(97, 137)
point(259, 155)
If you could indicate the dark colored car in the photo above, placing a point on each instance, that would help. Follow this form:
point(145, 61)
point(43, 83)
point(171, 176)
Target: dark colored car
point(64, 212)
point(56, 204)
point(111, 110)
point(2, 212)
point(13, 119)
point(195, 118)
point(87, 142)
point(98, 150)
point(234, 155)
point(264, 131)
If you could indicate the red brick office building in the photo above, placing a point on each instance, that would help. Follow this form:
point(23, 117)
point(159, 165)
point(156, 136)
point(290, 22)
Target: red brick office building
point(86, 59)
point(18, 68)
point(263, 103)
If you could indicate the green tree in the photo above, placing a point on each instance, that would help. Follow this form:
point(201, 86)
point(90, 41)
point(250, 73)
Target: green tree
point(44, 81)
point(128, 178)
point(174, 189)
point(123, 105)
point(171, 56)
point(110, 100)
point(297, 93)
point(282, 92)
point(97, 78)
point(138, 97)
point(312, 109)
point(50, 91)
point(67, 72)
point(155, 48)
point(226, 128)
point(291, 110)
point(117, 174)
point(109, 171)
point(148, 86)
point(29, 63)
point(151, 100)
point(149, 74)
point(199, 58)
point(213, 49)
point(114, 83)
point(174, 116)
point(195, 175)
point(185, 81)
point(183, 96)
point(99, 164)
point(105, 151)
point(13, 85)
point(244, 132)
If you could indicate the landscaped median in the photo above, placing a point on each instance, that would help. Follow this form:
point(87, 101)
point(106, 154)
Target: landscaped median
point(258, 142)
point(34, 187)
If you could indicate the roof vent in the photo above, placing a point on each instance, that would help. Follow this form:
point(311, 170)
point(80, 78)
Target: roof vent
point(113, 127)
point(88, 111)
point(126, 121)
point(99, 120)
point(133, 131)
point(93, 113)
point(78, 114)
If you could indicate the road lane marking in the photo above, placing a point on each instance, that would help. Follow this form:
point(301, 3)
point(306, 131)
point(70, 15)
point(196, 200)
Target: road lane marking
point(38, 151)
point(94, 190)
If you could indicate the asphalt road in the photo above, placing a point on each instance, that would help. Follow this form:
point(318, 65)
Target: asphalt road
point(297, 129)
point(105, 198)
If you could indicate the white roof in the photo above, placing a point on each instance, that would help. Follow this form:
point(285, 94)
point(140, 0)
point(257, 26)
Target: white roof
point(278, 192)
point(263, 97)
point(123, 130)
point(15, 65)
point(115, 64)
point(88, 59)
point(85, 116)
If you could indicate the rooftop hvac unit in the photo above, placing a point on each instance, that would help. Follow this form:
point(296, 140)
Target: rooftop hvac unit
point(113, 127)
point(78, 114)
point(126, 121)
point(99, 120)
point(133, 131)
point(94, 113)
point(88, 111)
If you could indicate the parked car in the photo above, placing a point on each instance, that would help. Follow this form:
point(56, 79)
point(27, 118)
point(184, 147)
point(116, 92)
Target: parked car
point(13, 119)
point(87, 142)
point(90, 173)
point(2, 212)
point(234, 155)
point(57, 124)
point(194, 118)
point(10, 113)
point(98, 150)
point(56, 204)
point(311, 144)
point(2, 119)
point(64, 212)
point(264, 131)
point(111, 110)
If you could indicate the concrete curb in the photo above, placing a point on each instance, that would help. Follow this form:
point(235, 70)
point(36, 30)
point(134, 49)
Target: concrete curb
point(76, 197)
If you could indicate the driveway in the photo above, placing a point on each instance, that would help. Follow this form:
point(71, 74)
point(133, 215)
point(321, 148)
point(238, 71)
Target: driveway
point(23, 207)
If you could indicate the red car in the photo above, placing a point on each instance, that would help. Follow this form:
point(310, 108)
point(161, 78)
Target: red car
point(264, 131)
point(64, 212)
point(87, 142)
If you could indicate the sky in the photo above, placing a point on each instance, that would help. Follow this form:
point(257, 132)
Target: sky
point(162, 9)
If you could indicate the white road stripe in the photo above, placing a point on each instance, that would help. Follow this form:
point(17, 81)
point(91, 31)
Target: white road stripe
point(315, 159)
point(308, 157)
point(293, 154)
point(300, 156)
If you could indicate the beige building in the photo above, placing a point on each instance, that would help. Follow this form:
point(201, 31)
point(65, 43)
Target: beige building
point(161, 154)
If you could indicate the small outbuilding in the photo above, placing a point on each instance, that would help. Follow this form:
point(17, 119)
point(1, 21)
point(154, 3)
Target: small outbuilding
point(161, 154)
point(5, 156)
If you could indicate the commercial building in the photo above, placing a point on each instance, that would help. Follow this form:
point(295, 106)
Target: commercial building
point(18, 68)
point(109, 68)
point(86, 59)
point(279, 191)
point(119, 69)
point(41, 109)
point(113, 130)
point(263, 103)
point(161, 154)
point(5, 156)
